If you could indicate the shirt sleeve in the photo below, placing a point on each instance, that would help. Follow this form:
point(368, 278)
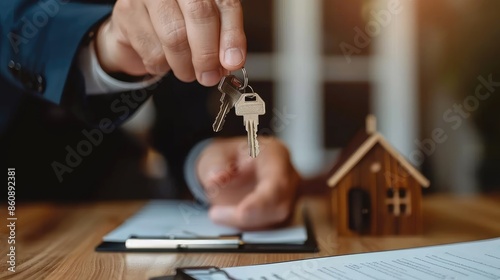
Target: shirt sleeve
point(190, 176)
point(97, 81)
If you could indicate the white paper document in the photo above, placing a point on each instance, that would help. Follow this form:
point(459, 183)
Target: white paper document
point(184, 219)
point(469, 261)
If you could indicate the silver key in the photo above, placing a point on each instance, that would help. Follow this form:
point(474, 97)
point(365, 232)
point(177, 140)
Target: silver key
point(250, 106)
point(229, 87)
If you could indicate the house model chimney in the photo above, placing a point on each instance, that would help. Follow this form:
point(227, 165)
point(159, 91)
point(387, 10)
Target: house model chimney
point(371, 124)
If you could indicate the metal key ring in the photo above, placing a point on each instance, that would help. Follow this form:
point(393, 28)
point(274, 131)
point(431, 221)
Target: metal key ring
point(251, 88)
point(245, 79)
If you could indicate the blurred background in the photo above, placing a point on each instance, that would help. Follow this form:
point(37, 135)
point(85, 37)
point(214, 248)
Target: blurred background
point(426, 69)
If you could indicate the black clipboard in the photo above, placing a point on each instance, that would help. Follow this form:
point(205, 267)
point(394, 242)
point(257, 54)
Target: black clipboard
point(192, 273)
point(309, 246)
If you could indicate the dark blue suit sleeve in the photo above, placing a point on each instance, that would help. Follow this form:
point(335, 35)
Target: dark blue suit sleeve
point(40, 40)
point(43, 103)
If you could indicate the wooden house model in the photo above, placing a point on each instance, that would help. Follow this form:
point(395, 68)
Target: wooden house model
point(376, 191)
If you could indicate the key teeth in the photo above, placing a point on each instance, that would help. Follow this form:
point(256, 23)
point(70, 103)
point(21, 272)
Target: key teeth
point(220, 119)
point(256, 141)
point(257, 151)
point(254, 151)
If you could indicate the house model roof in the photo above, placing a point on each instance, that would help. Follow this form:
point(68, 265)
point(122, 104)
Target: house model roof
point(360, 145)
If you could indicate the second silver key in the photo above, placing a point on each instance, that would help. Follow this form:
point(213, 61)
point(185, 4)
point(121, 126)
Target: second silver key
point(251, 106)
point(229, 87)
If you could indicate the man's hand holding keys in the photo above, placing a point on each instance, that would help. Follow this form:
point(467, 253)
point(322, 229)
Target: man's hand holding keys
point(196, 39)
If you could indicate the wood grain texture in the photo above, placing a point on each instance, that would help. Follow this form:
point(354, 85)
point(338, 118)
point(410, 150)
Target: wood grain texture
point(55, 241)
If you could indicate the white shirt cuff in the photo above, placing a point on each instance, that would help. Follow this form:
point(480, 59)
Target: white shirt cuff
point(97, 81)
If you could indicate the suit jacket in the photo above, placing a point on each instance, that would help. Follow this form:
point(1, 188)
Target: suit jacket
point(63, 143)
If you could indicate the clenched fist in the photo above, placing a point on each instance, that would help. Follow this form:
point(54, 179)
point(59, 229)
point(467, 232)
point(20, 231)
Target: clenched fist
point(245, 192)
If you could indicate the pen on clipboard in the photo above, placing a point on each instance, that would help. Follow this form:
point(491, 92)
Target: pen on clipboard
point(222, 242)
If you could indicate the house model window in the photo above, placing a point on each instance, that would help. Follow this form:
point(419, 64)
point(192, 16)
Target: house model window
point(398, 201)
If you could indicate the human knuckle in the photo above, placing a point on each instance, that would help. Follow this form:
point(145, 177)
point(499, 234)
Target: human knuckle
point(201, 9)
point(175, 38)
point(228, 4)
point(158, 63)
point(207, 58)
point(145, 41)
point(151, 54)
point(153, 62)
point(233, 32)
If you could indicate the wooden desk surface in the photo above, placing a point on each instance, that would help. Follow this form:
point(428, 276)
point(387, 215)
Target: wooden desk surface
point(57, 241)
